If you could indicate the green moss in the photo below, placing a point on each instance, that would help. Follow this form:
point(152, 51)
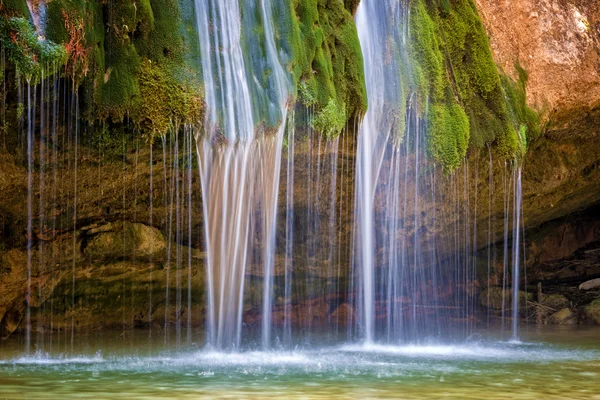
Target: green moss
point(456, 74)
point(31, 56)
point(593, 311)
point(161, 41)
point(428, 76)
point(15, 8)
point(326, 59)
point(331, 120)
point(165, 101)
point(55, 25)
point(306, 94)
point(448, 135)
point(515, 94)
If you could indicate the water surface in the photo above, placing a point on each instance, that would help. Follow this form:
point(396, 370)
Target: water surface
point(547, 364)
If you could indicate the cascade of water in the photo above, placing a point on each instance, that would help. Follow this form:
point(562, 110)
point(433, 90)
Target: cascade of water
point(75, 185)
point(506, 192)
point(489, 233)
point(239, 162)
point(178, 211)
point(151, 221)
point(53, 195)
point(373, 138)
point(37, 9)
point(289, 234)
point(169, 193)
point(516, 251)
point(30, 127)
point(188, 149)
point(399, 281)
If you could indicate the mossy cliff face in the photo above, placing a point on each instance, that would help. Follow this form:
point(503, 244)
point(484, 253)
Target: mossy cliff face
point(121, 52)
point(115, 55)
point(558, 44)
point(472, 103)
point(79, 285)
point(327, 62)
point(140, 60)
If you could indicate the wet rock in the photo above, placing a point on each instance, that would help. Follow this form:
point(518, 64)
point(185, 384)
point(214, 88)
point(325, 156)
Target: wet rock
point(591, 284)
point(561, 317)
point(126, 240)
point(555, 301)
point(493, 297)
point(343, 313)
point(592, 312)
point(94, 229)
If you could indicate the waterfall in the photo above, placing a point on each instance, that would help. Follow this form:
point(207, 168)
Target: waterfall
point(239, 158)
point(518, 198)
point(37, 9)
point(388, 251)
point(414, 278)
point(376, 136)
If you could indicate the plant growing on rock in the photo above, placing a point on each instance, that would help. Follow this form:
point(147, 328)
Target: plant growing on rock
point(331, 120)
point(32, 56)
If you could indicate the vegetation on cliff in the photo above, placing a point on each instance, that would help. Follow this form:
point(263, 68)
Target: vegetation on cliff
point(117, 54)
point(471, 103)
point(33, 58)
point(327, 64)
point(140, 60)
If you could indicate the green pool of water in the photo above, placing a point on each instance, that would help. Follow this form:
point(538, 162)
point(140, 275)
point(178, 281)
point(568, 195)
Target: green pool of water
point(548, 364)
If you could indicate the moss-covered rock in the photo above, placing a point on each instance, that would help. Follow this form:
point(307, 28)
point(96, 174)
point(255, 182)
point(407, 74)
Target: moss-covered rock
point(561, 317)
point(165, 100)
point(326, 60)
point(456, 74)
point(32, 56)
point(330, 120)
point(593, 312)
point(494, 296)
point(555, 301)
point(125, 240)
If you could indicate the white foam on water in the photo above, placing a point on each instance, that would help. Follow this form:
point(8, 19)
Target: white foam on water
point(353, 356)
point(494, 352)
point(46, 359)
point(249, 358)
point(430, 350)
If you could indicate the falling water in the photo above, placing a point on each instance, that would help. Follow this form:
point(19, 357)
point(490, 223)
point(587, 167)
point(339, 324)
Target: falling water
point(30, 127)
point(37, 9)
point(289, 235)
point(409, 275)
point(239, 160)
point(376, 132)
point(407, 288)
point(516, 252)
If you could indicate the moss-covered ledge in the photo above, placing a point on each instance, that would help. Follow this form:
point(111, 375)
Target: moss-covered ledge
point(472, 103)
point(126, 59)
point(327, 63)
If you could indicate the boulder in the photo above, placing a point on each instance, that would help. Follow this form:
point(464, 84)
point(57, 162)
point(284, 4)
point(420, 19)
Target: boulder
point(591, 284)
point(555, 301)
point(592, 311)
point(492, 298)
point(561, 317)
point(125, 240)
